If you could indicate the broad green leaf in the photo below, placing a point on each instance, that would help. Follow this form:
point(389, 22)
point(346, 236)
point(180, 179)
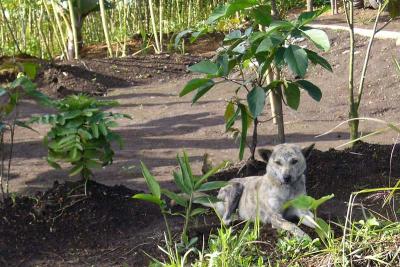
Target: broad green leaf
point(233, 35)
point(202, 90)
point(320, 201)
point(152, 183)
point(297, 60)
point(195, 84)
point(149, 198)
point(211, 186)
point(223, 62)
point(177, 198)
point(84, 134)
point(323, 229)
point(311, 89)
point(262, 15)
point(307, 17)
point(256, 101)
point(317, 59)
point(180, 35)
point(217, 13)
point(205, 66)
point(319, 38)
point(229, 111)
point(303, 202)
point(245, 124)
point(270, 42)
point(292, 94)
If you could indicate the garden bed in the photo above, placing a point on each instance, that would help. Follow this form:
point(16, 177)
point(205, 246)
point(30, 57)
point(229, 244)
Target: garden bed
point(106, 227)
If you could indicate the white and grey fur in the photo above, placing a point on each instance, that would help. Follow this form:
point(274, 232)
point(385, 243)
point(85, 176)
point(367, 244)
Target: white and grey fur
point(264, 196)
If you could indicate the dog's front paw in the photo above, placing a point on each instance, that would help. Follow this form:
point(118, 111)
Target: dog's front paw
point(301, 234)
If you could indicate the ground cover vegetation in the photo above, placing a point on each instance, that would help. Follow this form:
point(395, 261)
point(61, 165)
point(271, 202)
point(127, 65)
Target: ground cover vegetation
point(259, 56)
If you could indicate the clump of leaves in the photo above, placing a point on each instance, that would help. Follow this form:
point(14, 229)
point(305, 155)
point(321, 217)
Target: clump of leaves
point(192, 191)
point(81, 134)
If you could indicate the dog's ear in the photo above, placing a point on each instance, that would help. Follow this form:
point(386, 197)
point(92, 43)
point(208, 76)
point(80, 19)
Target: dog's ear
point(265, 154)
point(307, 150)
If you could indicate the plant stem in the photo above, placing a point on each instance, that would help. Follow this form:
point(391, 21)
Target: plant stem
point(187, 217)
point(167, 226)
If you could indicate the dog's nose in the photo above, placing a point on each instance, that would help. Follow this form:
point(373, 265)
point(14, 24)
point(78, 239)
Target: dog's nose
point(287, 178)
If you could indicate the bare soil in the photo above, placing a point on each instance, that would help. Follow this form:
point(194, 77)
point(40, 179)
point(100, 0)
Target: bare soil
point(106, 228)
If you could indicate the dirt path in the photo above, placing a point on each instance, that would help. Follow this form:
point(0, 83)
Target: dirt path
point(164, 124)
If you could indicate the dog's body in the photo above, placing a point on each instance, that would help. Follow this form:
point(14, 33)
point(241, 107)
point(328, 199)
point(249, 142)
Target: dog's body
point(264, 196)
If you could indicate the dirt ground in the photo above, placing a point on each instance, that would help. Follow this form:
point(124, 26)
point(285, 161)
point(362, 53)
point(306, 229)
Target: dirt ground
point(163, 125)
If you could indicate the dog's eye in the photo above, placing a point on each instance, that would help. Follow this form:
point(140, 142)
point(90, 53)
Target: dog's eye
point(293, 161)
point(278, 162)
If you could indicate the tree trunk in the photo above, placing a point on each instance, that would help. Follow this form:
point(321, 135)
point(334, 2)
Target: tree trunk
point(310, 5)
point(105, 27)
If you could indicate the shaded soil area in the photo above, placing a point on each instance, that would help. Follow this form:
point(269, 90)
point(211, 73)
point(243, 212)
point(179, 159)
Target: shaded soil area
point(106, 227)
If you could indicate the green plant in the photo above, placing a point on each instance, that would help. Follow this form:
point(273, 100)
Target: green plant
point(265, 48)
point(81, 134)
point(192, 192)
point(356, 97)
point(10, 97)
point(309, 203)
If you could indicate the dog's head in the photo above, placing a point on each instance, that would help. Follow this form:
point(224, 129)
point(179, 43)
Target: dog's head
point(286, 162)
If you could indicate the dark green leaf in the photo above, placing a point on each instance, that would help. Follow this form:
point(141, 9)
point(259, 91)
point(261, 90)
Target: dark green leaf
point(317, 59)
point(178, 178)
point(245, 124)
point(308, 17)
point(292, 94)
point(217, 13)
point(311, 89)
point(195, 84)
point(256, 101)
point(177, 198)
point(202, 90)
point(262, 15)
point(297, 60)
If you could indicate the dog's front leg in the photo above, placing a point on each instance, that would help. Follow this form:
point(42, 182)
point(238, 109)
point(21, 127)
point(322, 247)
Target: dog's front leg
point(278, 222)
point(305, 217)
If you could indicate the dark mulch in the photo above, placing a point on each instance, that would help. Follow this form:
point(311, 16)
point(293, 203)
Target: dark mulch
point(63, 226)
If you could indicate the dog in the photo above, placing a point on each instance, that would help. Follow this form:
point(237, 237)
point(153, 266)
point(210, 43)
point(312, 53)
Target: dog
point(263, 197)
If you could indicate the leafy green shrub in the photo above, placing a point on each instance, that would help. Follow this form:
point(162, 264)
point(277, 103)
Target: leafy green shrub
point(81, 134)
point(266, 48)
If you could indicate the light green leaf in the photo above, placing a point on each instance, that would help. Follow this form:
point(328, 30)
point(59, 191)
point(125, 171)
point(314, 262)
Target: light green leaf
point(152, 183)
point(149, 198)
point(77, 169)
point(229, 111)
point(205, 66)
point(319, 38)
point(197, 212)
